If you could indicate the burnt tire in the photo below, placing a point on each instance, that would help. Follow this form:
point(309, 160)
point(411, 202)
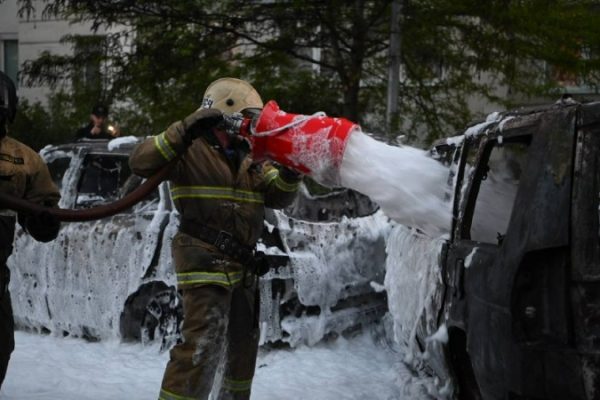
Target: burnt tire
point(153, 313)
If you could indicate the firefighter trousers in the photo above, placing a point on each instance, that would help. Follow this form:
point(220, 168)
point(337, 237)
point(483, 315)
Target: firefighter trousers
point(220, 327)
point(7, 325)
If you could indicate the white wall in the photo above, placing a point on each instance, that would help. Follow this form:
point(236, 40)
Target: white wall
point(9, 25)
point(8, 22)
point(36, 34)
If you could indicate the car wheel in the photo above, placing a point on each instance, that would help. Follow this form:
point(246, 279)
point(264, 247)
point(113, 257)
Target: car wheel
point(153, 313)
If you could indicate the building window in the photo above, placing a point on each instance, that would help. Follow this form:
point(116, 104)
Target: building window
point(11, 59)
point(89, 51)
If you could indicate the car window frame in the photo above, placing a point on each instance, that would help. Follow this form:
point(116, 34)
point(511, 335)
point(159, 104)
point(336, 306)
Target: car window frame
point(469, 203)
point(83, 170)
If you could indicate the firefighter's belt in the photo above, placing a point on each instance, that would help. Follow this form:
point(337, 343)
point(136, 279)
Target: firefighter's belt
point(223, 241)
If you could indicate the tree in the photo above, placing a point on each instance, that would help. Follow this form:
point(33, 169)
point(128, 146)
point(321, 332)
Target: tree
point(218, 36)
point(452, 51)
point(513, 44)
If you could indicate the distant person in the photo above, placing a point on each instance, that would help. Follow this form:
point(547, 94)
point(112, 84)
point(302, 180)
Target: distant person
point(23, 174)
point(98, 127)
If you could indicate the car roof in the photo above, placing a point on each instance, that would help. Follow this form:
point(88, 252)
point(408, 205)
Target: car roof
point(520, 121)
point(118, 146)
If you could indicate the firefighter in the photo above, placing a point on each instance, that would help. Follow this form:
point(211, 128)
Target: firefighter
point(23, 174)
point(220, 194)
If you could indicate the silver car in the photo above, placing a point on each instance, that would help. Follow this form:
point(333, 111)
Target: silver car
point(114, 277)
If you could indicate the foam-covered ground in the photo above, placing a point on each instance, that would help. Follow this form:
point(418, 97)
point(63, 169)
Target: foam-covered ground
point(47, 368)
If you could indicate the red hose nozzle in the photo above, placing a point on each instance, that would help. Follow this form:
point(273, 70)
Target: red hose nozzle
point(311, 144)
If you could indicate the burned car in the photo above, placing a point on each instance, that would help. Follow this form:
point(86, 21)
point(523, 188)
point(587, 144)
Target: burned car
point(509, 302)
point(114, 277)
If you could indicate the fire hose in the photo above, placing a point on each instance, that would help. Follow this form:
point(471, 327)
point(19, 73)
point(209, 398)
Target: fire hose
point(89, 214)
point(274, 135)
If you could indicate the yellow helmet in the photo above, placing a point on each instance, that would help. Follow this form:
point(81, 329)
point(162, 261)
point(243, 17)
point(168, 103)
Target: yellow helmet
point(231, 95)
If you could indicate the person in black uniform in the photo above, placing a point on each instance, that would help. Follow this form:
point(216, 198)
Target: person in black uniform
point(97, 127)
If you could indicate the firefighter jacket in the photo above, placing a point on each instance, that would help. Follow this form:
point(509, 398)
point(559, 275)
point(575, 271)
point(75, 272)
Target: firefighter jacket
point(23, 174)
point(219, 188)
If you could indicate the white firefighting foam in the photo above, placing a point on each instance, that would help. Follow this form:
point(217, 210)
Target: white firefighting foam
point(319, 152)
point(78, 283)
point(415, 290)
point(325, 258)
point(404, 181)
point(52, 367)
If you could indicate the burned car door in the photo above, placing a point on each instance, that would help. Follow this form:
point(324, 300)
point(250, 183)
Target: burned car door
point(493, 168)
point(508, 274)
point(584, 290)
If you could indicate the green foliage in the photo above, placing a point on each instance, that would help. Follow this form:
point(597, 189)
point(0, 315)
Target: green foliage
point(296, 88)
point(454, 53)
point(38, 126)
point(500, 51)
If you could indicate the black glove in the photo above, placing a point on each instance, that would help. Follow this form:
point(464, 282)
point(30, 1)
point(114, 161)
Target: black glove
point(200, 123)
point(42, 226)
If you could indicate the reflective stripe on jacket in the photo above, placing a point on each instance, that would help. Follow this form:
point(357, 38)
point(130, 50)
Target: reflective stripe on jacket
point(225, 279)
point(216, 192)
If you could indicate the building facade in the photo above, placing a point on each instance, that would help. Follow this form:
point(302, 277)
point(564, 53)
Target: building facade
point(25, 37)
